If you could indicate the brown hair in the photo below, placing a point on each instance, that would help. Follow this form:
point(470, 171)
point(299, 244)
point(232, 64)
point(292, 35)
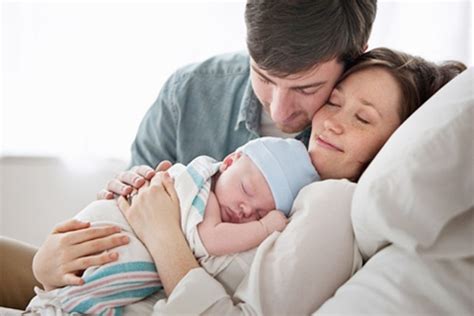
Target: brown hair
point(285, 37)
point(417, 78)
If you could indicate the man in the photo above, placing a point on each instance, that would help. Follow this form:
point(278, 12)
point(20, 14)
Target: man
point(297, 50)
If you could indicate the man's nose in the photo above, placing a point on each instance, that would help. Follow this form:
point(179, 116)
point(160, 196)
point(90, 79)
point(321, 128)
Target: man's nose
point(281, 106)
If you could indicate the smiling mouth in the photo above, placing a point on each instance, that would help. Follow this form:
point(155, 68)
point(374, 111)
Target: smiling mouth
point(325, 144)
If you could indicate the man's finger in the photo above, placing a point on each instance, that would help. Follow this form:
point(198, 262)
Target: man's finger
point(105, 195)
point(132, 178)
point(163, 166)
point(145, 171)
point(117, 187)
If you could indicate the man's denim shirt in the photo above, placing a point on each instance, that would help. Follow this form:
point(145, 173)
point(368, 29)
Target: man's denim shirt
point(203, 109)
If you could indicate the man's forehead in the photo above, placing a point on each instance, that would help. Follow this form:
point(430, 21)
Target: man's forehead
point(318, 69)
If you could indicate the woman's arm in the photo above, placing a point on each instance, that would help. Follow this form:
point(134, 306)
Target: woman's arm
point(154, 216)
point(292, 273)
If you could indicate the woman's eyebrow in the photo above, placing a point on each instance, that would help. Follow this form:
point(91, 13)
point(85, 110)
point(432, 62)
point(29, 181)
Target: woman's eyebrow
point(370, 104)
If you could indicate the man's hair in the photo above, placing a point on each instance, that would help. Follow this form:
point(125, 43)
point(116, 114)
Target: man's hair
point(417, 78)
point(285, 37)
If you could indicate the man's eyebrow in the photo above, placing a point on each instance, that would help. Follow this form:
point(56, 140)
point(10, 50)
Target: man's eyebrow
point(261, 74)
point(311, 85)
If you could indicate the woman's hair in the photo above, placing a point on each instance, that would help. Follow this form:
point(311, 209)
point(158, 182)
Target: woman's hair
point(417, 78)
point(285, 37)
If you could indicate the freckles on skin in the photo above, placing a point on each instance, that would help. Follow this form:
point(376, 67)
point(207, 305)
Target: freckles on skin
point(368, 91)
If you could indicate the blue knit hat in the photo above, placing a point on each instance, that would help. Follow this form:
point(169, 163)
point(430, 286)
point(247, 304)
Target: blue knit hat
point(285, 164)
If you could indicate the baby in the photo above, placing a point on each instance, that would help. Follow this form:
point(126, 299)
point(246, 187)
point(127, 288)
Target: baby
point(226, 207)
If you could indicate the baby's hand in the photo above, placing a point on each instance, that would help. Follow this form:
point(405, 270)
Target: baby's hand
point(274, 221)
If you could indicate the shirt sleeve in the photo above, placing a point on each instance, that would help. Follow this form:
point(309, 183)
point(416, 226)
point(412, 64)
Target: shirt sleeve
point(293, 272)
point(156, 136)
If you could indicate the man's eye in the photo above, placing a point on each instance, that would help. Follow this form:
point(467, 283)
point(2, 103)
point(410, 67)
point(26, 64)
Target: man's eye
point(263, 80)
point(360, 119)
point(332, 104)
point(304, 92)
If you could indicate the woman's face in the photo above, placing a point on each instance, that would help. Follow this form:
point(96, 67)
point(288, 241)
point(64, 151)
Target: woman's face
point(359, 117)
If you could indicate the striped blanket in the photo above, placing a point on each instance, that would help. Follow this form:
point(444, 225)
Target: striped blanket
point(133, 276)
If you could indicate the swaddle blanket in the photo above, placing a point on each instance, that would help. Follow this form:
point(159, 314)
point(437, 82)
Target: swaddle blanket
point(133, 276)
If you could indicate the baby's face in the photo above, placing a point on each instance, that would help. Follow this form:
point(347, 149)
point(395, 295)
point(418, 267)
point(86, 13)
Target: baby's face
point(242, 192)
point(359, 117)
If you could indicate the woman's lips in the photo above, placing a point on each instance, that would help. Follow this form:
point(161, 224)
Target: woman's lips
point(324, 143)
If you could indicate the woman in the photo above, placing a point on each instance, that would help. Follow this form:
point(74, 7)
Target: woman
point(375, 95)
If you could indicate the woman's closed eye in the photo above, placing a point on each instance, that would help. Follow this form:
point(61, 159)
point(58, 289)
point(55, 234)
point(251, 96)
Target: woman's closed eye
point(362, 120)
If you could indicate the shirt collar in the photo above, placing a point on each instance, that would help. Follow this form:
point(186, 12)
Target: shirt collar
point(250, 110)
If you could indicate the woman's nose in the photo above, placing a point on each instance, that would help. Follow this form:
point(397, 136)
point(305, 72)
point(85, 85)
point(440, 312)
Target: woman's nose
point(334, 124)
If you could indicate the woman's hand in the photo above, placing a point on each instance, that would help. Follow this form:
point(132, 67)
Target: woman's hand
point(154, 216)
point(154, 209)
point(72, 247)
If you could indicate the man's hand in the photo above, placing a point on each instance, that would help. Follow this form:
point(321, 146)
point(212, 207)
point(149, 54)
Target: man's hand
point(127, 181)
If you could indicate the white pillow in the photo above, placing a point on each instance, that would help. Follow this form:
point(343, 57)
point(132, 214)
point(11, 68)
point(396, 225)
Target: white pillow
point(418, 192)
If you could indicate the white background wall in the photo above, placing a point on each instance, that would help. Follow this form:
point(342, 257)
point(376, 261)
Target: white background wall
point(78, 76)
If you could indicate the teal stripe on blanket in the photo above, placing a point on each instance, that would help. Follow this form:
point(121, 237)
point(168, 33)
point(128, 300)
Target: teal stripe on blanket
point(84, 306)
point(199, 204)
point(137, 266)
point(197, 178)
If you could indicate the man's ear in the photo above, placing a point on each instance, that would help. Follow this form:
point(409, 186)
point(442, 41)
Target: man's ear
point(229, 160)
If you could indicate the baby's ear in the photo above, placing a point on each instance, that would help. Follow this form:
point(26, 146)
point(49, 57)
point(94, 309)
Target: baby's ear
point(229, 160)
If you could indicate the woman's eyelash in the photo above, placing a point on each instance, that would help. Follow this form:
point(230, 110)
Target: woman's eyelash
point(362, 120)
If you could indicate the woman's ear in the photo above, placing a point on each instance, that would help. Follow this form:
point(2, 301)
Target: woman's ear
point(229, 160)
